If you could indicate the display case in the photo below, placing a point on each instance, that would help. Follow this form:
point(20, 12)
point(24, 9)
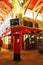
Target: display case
point(39, 40)
point(29, 41)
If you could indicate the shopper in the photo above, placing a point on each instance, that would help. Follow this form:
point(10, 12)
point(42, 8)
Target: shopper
point(1, 43)
point(27, 43)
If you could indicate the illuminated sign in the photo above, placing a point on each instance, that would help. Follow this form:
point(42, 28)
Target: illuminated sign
point(14, 22)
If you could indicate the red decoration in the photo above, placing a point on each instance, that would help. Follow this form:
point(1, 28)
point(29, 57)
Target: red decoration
point(8, 3)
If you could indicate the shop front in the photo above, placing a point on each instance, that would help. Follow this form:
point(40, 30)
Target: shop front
point(29, 37)
point(6, 42)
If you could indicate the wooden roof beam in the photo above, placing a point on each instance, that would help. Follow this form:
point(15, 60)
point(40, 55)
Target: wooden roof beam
point(40, 6)
point(25, 6)
point(36, 5)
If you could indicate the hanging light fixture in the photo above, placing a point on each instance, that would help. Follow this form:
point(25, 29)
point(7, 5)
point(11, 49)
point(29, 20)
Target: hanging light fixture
point(10, 1)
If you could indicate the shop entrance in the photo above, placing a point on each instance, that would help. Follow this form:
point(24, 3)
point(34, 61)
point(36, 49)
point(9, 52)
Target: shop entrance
point(29, 41)
point(25, 41)
point(39, 40)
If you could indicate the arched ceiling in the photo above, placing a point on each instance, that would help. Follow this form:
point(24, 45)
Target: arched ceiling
point(34, 4)
point(5, 8)
point(8, 3)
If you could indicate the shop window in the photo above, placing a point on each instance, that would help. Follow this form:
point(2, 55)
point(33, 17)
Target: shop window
point(29, 24)
point(25, 23)
point(14, 22)
point(36, 25)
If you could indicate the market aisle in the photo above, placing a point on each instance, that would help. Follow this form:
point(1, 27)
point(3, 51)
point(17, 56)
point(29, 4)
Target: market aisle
point(30, 57)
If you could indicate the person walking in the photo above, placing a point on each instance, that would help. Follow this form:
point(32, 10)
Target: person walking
point(27, 43)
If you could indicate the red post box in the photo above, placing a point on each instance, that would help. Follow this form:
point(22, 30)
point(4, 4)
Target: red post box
point(16, 46)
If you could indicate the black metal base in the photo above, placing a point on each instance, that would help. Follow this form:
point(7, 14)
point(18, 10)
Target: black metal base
point(16, 57)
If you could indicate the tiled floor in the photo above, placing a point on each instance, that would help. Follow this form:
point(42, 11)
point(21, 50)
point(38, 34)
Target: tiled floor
point(30, 57)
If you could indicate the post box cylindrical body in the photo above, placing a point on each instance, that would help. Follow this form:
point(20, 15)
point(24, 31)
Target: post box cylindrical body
point(16, 47)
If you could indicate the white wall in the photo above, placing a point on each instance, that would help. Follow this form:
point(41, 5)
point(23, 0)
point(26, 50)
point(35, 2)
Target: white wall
point(6, 24)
